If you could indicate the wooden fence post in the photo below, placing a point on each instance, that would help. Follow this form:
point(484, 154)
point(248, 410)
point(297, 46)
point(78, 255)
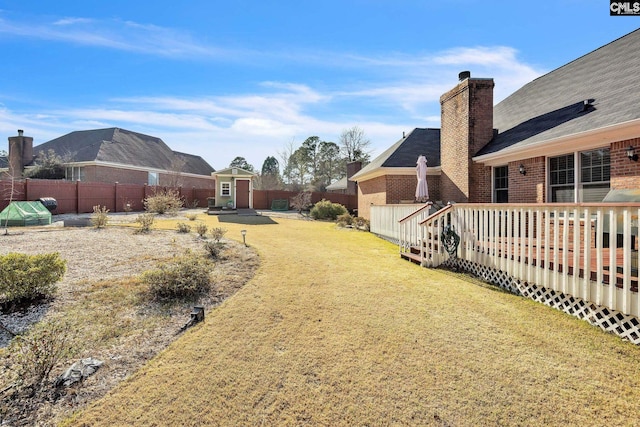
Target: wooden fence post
point(115, 196)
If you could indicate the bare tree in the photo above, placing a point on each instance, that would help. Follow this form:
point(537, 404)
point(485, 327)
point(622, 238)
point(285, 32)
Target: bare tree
point(301, 201)
point(354, 145)
point(175, 172)
point(10, 193)
point(286, 155)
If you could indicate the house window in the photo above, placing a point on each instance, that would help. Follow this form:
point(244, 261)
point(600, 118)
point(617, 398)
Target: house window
point(562, 178)
point(590, 177)
point(225, 189)
point(501, 184)
point(595, 167)
point(153, 178)
point(74, 173)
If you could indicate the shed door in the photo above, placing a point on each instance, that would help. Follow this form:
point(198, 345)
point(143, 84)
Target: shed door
point(242, 194)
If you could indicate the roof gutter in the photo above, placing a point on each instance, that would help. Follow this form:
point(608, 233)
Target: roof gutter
point(591, 139)
point(133, 167)
point(381, 171)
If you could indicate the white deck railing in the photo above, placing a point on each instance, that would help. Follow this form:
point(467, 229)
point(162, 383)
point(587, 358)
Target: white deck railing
point(589, 251)
point(410, 228)
point(385, 219)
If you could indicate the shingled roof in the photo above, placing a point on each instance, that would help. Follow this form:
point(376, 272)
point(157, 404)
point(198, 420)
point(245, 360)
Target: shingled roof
point(121, 146)
point(405, 152)
point(596, 90)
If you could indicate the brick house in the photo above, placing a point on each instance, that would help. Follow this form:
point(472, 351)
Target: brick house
point(346, 185)
point(571, 135)
point(115, 155)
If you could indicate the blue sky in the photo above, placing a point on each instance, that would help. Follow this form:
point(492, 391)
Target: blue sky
point(247, 77)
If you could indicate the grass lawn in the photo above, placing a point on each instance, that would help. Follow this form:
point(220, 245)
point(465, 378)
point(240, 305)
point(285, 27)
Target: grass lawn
point(335, 329)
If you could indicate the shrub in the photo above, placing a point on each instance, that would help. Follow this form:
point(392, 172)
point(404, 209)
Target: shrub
point(165, 201)
point(100, 218)
point(324, 209)
point(182, 277)
point(202, 229)
point(29, 277)
point(213, 249)
point(345, 220)
point(127, 205)
point(192, 217)
point(361, 223)
point(35, 354)
point(145, 222)
point(195, 203)
point(183, 228)
point(301, 201)
point(218, 233)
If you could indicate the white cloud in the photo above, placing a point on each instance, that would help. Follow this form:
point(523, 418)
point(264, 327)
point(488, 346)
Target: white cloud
point(72, 21)
point(116, 34)
point(384, 95)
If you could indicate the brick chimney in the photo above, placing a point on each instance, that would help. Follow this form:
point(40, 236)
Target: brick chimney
point(352, 169)
point(20, 153)
point(466, 127)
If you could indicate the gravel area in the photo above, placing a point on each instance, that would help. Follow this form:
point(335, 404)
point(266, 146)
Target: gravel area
point(95, 256)
point(91, 254)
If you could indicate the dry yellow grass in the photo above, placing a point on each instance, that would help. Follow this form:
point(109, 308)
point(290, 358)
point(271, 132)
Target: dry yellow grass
point(335, 329)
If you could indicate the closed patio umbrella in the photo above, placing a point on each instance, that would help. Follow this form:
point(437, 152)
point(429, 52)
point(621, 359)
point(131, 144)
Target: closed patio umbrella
point(422, 191)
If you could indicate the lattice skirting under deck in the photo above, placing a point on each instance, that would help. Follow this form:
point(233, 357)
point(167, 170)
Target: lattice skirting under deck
point(623, 325)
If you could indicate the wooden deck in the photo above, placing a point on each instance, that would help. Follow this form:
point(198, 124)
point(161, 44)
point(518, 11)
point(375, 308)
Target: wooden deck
point(516, 249)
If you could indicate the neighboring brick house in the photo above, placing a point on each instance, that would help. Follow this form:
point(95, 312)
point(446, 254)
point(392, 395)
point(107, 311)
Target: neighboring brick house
point(345, 185)
point(571, 135)
point(116, 155)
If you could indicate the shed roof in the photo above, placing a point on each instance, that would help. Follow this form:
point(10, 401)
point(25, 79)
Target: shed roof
point(229, 171)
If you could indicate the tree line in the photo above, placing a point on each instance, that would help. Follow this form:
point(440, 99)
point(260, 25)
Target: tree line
point(313, 165)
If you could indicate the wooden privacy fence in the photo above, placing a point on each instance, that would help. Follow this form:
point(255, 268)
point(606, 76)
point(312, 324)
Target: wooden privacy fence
point(81, 197)
point(262, 199)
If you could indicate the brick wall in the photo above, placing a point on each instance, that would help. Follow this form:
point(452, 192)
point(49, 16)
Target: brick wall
point(352, 169)
point(392, 189)
point(528, 188)
point(107, 174)
point(467, 126)
point(625, 173)
point(480, 183)
point(371, 192)
point(187, 181)
point(401, 187)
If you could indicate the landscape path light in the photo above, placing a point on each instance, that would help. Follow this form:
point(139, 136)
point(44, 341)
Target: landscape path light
point(244, 236)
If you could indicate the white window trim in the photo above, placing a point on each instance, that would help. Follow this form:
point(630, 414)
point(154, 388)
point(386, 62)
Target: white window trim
point(493, 182)
point(228, 189)
point(577, 174)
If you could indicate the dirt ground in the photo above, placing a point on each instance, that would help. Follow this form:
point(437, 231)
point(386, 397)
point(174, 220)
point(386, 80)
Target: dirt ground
point(103, 255)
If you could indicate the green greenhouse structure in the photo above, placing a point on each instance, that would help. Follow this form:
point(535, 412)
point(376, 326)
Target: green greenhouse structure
point(18, 214)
